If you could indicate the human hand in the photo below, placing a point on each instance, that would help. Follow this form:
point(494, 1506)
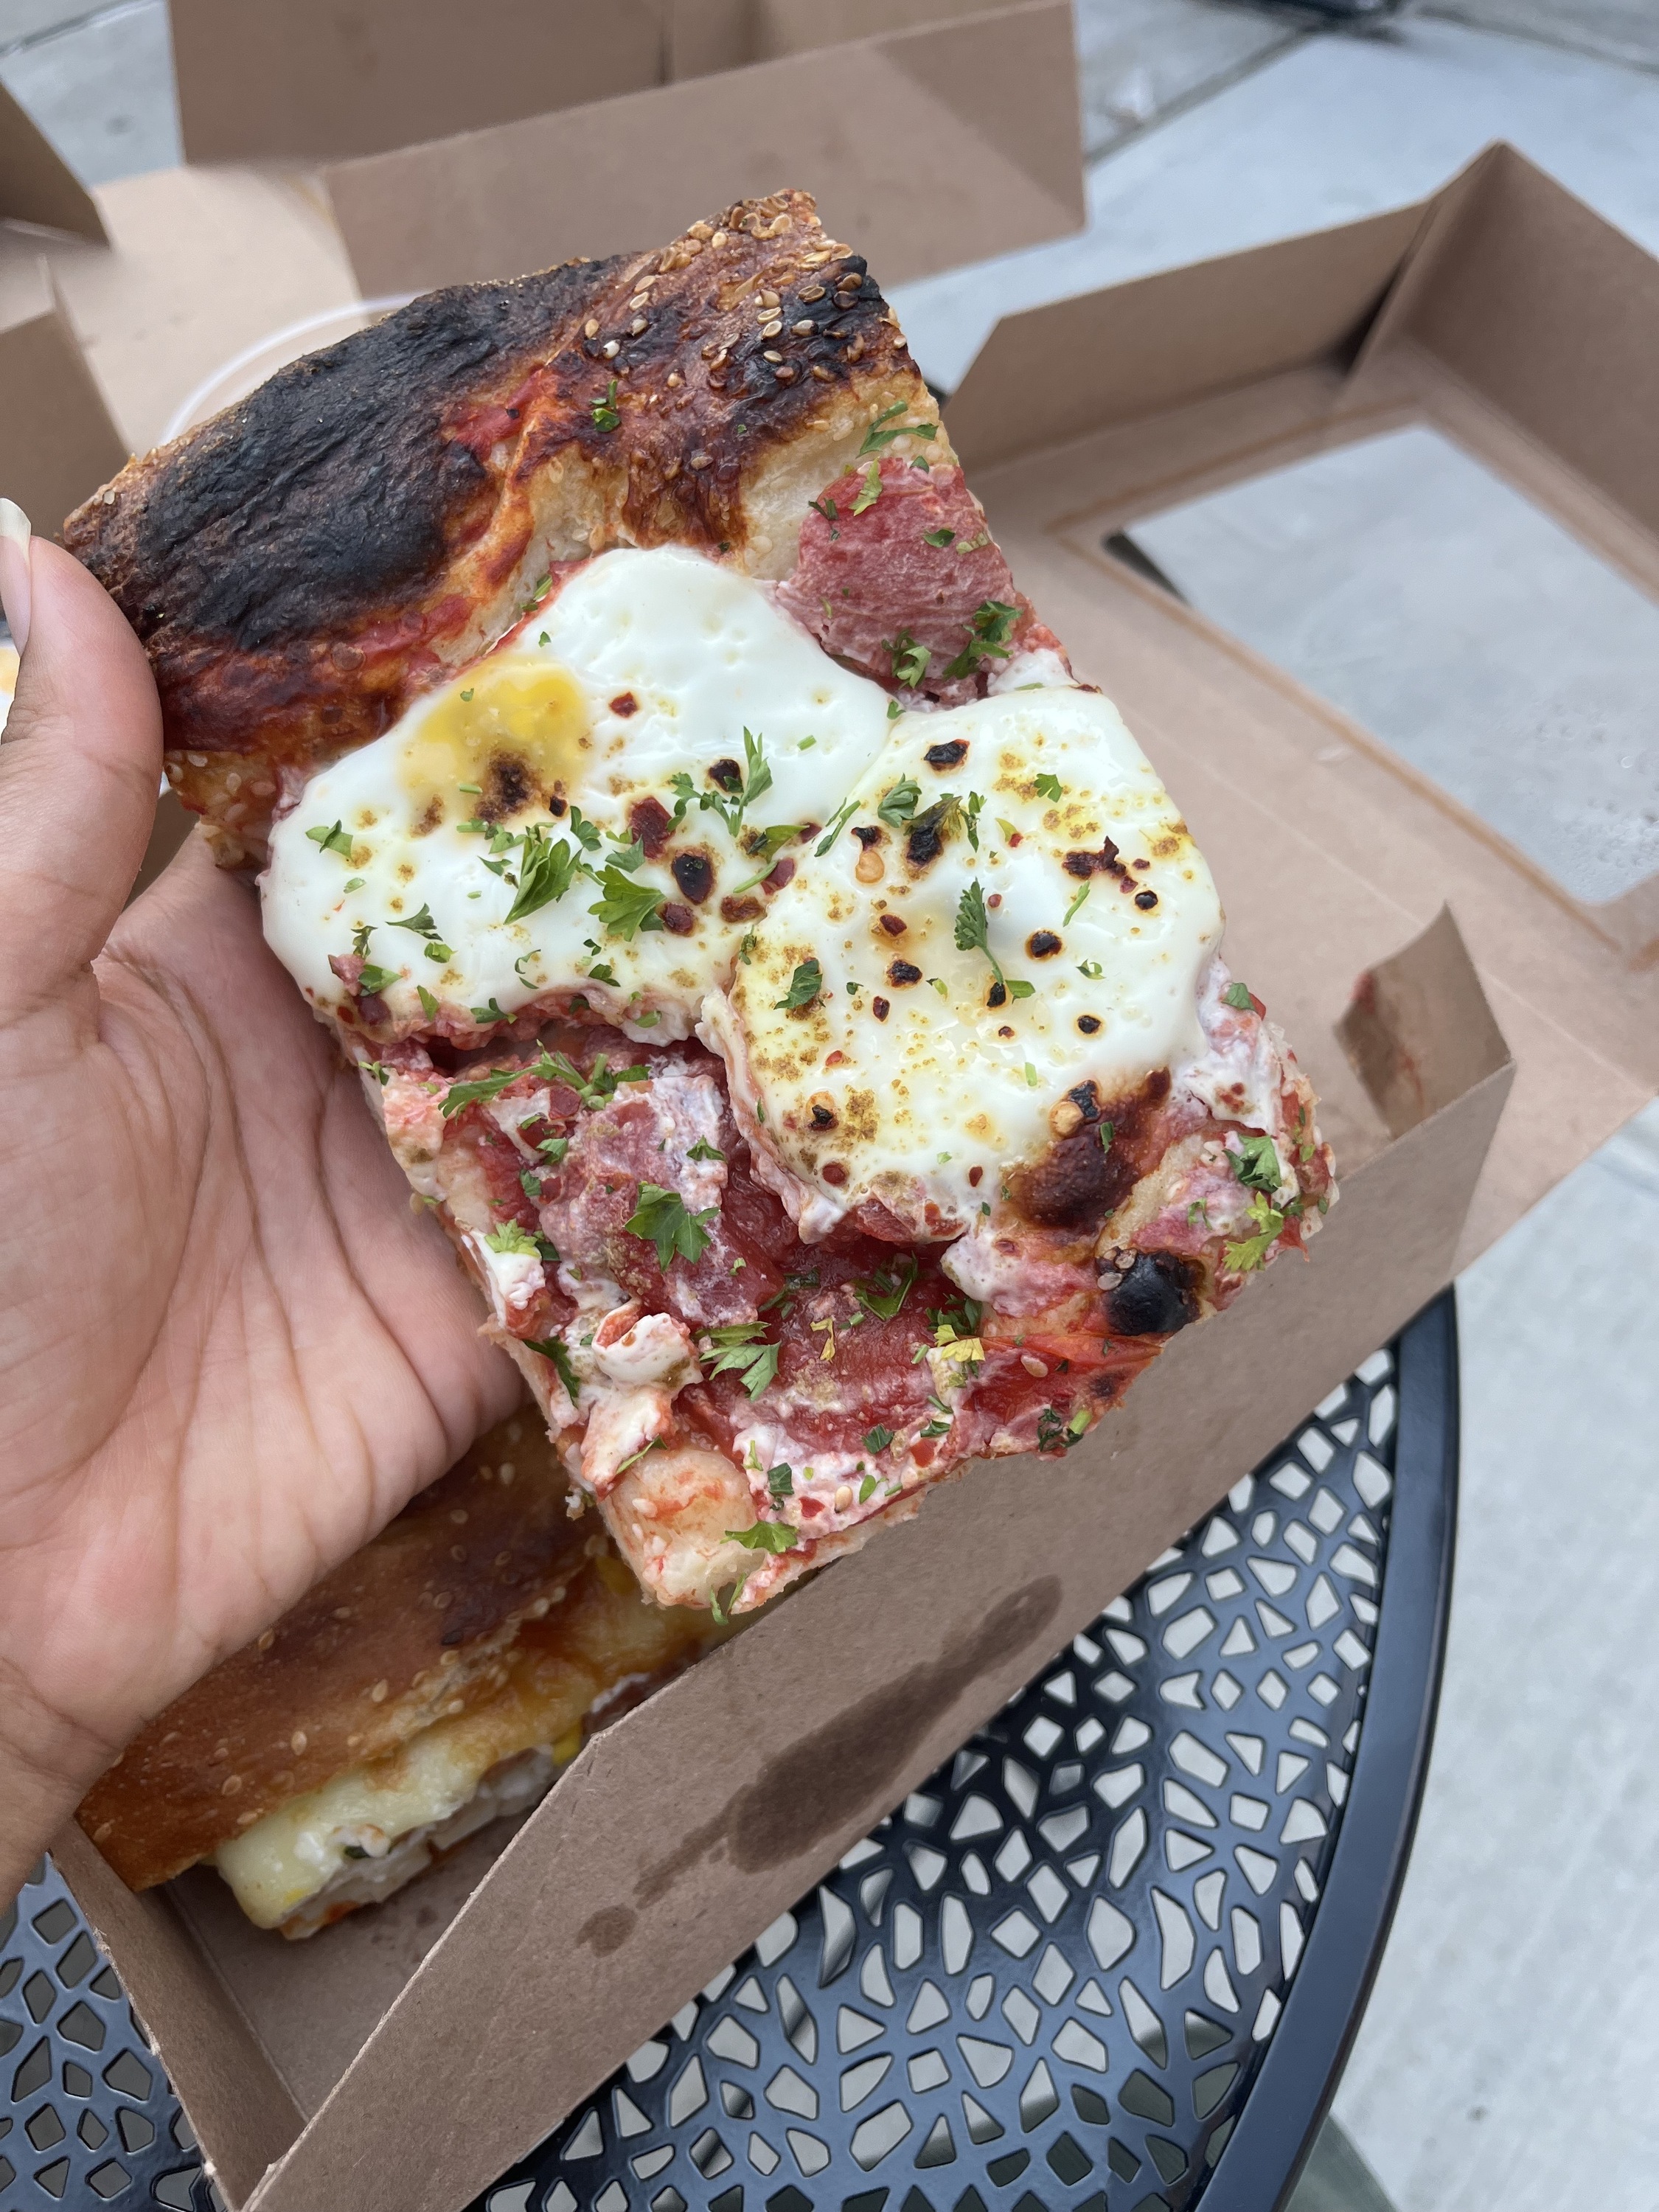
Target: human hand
point(228, 1351)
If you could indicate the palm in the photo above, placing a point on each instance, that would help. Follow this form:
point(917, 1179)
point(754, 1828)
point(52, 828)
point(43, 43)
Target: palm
point(228, 1351)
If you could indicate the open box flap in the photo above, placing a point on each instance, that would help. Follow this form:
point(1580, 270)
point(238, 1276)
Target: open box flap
point(313, 80)
point(37, 185)
point(57, 441)
point(985, 107)
point(236, 2102)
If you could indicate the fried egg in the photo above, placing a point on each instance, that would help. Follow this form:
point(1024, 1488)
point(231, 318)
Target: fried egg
point(1013, 904)
point(651, 677)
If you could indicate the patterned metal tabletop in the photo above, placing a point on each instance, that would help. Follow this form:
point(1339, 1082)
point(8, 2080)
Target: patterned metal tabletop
point(1056, 1975)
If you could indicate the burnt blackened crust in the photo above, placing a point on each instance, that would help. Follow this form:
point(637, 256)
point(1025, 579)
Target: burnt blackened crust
point(334, 486)
point(376, 515)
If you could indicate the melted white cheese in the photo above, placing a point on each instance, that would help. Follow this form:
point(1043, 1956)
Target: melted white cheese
point(921, 1093)
point(340, 1833)
point(644, 665)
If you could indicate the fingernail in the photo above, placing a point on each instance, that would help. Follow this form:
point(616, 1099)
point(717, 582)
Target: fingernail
point(15, 593)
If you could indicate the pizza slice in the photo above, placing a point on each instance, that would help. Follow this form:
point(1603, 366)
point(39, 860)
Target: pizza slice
point(792, 988)
point(439, 1681)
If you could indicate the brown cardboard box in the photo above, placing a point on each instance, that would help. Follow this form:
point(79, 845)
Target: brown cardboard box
point(57, 441)
point(930, 146)
point(502, 1994)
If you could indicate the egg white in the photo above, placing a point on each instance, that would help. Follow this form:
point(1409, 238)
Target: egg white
point(696, 654)
point(930, 1106)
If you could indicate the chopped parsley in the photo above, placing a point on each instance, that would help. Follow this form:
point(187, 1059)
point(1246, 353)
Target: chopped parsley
point(509, 1238)
point(1070, 911)
point(870, 489)
point(866, 1489)
point(741, 1348)
point(844, 815)
point(899, 803)
point(826, 506)
point(1054, 1434)
point(660, 1218)
point(428, 1004)
point(624, 907)
point(546, 871)
point(702, 1150)
point(492, 1012)
point(593, 1089)
point(1251, 1252)
point(553, 1150)
point(336, 840)
point(879, 437)
point(1049, 787)
point(780, 1480)
point(606, 413)
point(805, 986)
point(355, 882)
point(420, 923)
point(756, 779)
point(1256, 1164)
point(1236, 994)
point(989, 628)
point(553, 1348)
point(373, 981)
point(938, 538)
point(877, 1439)
point(885, 1294)
point(766, 1536)
point(910, 659)
point(974, 935)
point(1106, 1130)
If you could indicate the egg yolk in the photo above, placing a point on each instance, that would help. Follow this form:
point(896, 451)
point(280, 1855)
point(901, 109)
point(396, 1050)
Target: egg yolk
point(515, 732)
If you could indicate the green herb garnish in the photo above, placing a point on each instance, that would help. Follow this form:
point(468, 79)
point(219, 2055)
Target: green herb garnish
point(546, 871)
point(989, 626)
point(1237, 994)
point(510, 1237)
point(331, 841)
point(606, 414)
point(741, 1348)
point(660, 1218)
point(805, 986)
point(899, 803)
point(766, 1536)
point(877, 438)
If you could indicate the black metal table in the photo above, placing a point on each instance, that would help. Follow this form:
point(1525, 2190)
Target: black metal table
point(1110, 1957)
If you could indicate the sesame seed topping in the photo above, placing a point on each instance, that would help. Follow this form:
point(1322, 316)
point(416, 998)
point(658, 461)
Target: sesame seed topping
point(610, 349)
point(591, 327)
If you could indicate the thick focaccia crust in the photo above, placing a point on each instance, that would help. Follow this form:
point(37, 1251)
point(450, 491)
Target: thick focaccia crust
point(413, 1627)
point(302, 566)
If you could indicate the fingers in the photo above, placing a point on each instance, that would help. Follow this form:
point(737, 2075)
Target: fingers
point(80, 767)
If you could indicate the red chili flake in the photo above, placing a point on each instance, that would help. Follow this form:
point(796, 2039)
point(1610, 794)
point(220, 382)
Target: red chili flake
point(624, 704)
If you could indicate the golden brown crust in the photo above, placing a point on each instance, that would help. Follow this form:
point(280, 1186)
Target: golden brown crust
point(414, 1622)
point(371, 517)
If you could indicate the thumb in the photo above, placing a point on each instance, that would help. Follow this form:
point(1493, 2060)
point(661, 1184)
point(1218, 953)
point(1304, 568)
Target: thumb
point(80, 765)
